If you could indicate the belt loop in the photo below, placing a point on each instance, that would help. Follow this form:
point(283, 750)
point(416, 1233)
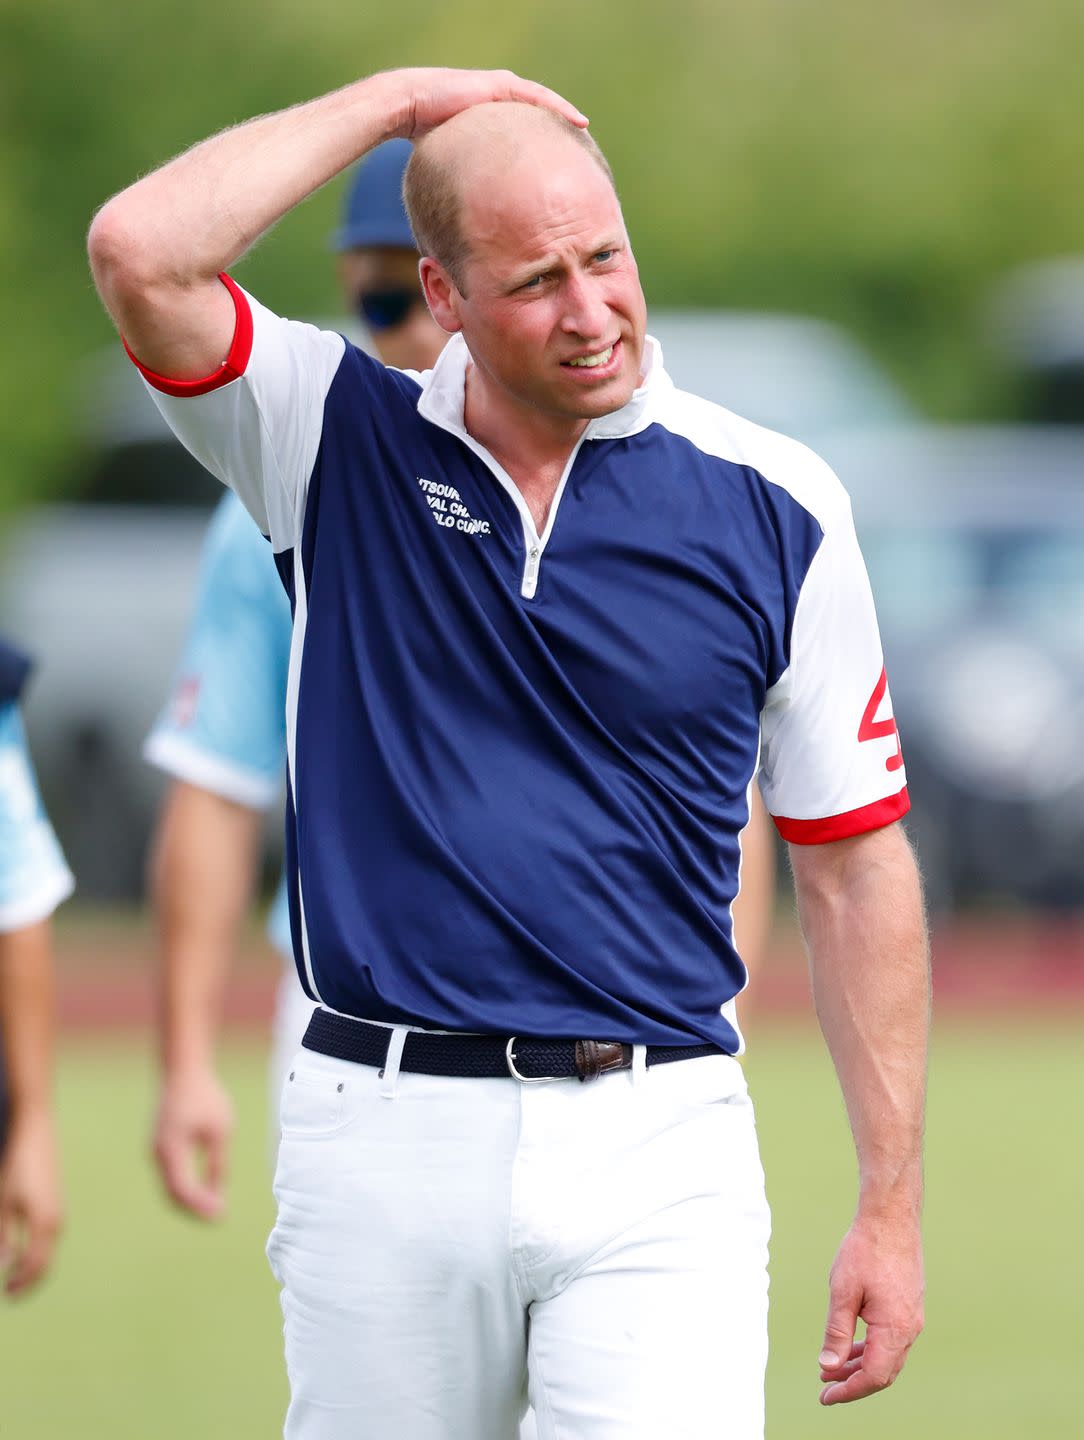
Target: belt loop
point(389, 1075)
point(639, 1063)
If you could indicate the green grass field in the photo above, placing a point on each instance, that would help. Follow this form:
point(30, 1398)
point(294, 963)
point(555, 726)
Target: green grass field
point(155, 1326)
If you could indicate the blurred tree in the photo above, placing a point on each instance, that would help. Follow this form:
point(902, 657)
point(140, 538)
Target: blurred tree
point(878, 165)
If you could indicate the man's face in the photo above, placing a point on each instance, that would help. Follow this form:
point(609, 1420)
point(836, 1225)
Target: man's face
point(382, 287)
point(550, 283)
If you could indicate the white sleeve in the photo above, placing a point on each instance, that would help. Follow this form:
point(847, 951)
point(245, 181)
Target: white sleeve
point(256, 422)
point(831, 763)
point(34, 877)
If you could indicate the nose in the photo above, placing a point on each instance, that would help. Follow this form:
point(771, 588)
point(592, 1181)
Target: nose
point(585, 312)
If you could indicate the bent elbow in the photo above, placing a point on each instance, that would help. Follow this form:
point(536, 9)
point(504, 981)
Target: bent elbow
point(118, 259)
point(111, 249)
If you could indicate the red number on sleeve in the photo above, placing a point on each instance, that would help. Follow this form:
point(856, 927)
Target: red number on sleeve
point(871, 729)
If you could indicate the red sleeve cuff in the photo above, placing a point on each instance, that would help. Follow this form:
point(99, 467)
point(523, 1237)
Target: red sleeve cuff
point(232, 368)
point(841, 827)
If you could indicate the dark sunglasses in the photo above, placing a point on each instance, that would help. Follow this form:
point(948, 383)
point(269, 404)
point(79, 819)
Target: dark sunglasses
point(384, 309)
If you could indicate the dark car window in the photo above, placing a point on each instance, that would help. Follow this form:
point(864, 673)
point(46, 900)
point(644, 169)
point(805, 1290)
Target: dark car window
point(149, 472)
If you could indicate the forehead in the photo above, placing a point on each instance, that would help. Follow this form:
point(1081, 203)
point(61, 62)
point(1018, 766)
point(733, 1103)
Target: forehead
point(552, 199)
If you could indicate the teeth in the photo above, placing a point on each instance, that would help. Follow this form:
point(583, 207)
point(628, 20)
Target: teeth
point(591, 360)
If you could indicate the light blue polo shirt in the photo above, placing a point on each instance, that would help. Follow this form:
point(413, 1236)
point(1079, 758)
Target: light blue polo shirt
point(224, 726)
point(34, 877)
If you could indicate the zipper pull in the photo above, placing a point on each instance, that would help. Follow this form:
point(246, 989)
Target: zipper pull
point(530, 571)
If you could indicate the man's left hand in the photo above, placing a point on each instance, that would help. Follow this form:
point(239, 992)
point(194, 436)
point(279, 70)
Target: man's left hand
point(876, 1277)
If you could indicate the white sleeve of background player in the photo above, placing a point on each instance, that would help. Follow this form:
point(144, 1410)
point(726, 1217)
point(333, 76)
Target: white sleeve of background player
point(34, 877)
point(256, 422)
point(831, 760)
point(224, 727)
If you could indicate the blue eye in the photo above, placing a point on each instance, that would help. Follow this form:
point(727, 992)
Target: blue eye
point(605, 255)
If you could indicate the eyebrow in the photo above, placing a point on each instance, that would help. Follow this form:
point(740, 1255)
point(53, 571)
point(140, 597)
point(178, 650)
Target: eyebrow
point(545, 263)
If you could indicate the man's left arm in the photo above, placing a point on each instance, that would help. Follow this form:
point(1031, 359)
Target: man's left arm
point(860, 904)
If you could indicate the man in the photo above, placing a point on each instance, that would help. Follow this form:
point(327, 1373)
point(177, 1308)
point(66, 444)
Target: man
point(222, 737)
point(222, 740)
point(33, 881)
point(546, 607)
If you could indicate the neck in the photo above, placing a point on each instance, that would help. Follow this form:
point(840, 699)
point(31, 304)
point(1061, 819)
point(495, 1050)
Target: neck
point(507, 427)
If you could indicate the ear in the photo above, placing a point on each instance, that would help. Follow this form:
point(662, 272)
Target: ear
point(440, 294)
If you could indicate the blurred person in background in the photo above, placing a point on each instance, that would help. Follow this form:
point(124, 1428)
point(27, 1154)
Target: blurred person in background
point(222, 737)
point(222, 740)
point(34, 879)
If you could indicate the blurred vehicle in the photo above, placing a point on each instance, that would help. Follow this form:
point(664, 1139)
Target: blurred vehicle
point(974, 539)
point(100, 588)
point(802, 376)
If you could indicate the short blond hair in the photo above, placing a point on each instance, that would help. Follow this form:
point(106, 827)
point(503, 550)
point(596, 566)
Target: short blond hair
point(432, 194)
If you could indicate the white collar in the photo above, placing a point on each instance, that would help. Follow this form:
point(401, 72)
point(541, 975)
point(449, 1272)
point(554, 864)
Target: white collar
point(443, 389)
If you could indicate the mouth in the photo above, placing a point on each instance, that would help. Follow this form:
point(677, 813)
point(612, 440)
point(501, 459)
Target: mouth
point(598, 365)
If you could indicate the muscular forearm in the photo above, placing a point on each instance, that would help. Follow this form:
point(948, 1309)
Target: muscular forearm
point(26, 1017)
point(185, 222)
point(201, 879)
point(861, 910)
point(158, 244)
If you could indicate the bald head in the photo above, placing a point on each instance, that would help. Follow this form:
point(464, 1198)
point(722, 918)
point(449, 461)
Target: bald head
point(473, 158)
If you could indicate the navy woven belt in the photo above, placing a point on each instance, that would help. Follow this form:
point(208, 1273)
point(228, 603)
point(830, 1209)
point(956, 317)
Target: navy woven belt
point(484, 1057)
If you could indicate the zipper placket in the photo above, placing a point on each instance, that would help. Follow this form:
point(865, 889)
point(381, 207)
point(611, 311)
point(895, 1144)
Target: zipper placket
point(533, 543)
point(530, 569)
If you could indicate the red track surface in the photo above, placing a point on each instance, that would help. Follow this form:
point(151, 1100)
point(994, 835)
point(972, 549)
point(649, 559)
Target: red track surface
point(981, 966)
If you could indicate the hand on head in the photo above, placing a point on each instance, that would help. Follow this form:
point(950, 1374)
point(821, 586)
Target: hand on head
point(436, 95)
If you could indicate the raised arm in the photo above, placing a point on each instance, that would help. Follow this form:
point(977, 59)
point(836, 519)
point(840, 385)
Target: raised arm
point(157, 248)
point(860, 905)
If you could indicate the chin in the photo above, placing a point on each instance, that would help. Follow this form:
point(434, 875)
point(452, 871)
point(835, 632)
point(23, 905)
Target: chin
point(606, 399)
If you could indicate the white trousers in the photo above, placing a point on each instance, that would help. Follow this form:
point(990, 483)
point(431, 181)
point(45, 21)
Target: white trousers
point(293, 1010)
point(450, 1248)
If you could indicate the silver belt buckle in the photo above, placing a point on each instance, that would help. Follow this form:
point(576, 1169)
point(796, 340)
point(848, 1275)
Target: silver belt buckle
point(510, 1060)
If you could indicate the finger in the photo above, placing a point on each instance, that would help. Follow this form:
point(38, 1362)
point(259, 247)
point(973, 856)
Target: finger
point(535, 94)
point(177, 1163)
point(508, 85)
point(857, 1387)
point(842, 1372)
point(839, 1331)
point(879, 1365)
point(847, 1366)
point(886, 1350)
point(31, 1264)
point(218, 1167)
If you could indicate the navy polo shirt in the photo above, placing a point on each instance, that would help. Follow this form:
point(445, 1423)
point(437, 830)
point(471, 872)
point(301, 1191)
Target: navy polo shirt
point(519, 763)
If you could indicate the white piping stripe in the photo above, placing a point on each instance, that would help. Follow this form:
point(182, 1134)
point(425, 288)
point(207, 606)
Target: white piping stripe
point(297, 643)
